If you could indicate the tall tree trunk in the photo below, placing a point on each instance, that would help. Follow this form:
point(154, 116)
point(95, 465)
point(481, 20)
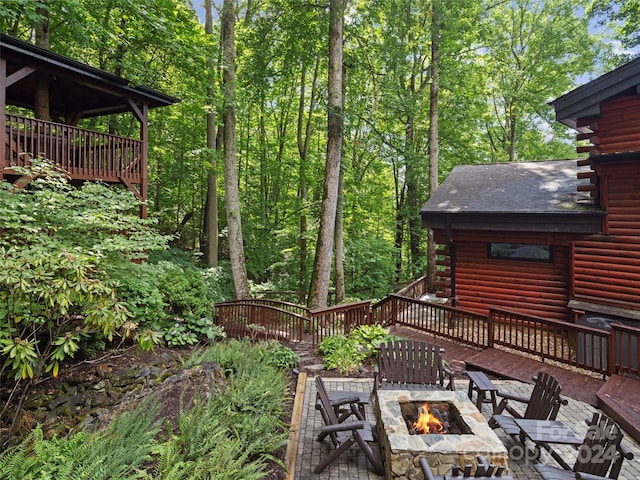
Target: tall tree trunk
point(434, 142)
point(400, 188)
point(324, 247)
point(513, 119)
point(339, 279)
point(339, 247)
point(210, 249)
point(232, 194)
point(41, 100)
point(304, 137)
point(412, 207)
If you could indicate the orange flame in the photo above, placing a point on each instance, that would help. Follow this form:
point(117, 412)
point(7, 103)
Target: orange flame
point(427, 422)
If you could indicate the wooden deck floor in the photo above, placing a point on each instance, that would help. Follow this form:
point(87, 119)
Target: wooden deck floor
point(617, 396)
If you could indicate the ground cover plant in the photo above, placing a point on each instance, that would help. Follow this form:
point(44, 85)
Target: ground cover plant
point(233, 430)
point(346, 353)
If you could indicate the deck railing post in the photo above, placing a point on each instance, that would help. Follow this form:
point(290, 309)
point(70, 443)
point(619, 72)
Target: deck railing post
point(612, 367)
point(490, 327)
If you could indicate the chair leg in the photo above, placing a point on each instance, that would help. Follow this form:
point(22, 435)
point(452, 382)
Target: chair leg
point(344, 446)
point(374, 460)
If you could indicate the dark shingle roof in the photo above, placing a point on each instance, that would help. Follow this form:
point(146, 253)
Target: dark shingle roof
point(510, 196)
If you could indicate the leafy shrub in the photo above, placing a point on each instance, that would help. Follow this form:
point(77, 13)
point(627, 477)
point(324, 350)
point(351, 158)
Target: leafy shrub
point(278, 355)
point(57, 246)
point(346, 353)
point(342, 353)
point(168, 298)
point(138, 289)
point(184, 291)
point(117, 452)
point(370, 336)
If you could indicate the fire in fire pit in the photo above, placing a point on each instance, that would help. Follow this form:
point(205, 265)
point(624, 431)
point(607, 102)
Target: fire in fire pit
point(396, 410)
point(432, 417)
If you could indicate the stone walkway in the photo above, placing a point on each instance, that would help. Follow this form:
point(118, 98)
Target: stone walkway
point(352, 465)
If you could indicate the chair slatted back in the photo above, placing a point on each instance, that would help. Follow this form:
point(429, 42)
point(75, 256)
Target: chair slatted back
point(599, 452)
point(410, 362)
point(545, 400)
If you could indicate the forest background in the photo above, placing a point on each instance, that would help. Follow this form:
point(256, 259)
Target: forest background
point(499, 64)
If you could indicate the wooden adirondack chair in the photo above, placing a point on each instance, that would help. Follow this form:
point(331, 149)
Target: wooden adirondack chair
point(599, 457)
point(344, 434)
point(411, 365)
point(484, 470)
point(543, 404)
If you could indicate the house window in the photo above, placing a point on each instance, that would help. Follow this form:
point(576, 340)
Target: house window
point(520, 251)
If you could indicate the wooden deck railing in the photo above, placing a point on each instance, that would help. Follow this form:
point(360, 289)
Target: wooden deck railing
point(339, 319)
point(253, 319)
point(84, 154)
point(600, 351)
point(624, 345)
point(456, 324)
point(415, 289)
point(569, 343)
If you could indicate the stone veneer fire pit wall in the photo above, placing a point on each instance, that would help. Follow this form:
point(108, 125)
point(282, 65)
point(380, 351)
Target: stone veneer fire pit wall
point(401, 450)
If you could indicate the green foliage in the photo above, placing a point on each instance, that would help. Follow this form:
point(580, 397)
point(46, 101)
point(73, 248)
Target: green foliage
point(370, 336)
point(500, 63)
point(216, 333)
point(278, 355)
point(342, 353)
point(118, 452)
point(227, 436)
point(369, 267)
point(184, 291)
point(171, 298)
point(231, 434)
point(57, 247)
point(346, 353)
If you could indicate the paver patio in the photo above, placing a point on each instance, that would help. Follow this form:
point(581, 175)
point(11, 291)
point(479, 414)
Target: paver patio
point(352, 464)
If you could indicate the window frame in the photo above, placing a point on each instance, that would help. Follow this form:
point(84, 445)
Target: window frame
point(493, 255)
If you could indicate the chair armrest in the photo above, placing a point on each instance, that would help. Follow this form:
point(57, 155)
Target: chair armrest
point(512, 396)
point(426, 469)
point(342, 427)
point(504, 403)
point(625, 452)
point(347, 400)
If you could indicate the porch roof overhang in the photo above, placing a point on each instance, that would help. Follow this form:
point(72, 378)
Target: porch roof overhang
point(525, 196)
point(76, 89)
point(585, 101)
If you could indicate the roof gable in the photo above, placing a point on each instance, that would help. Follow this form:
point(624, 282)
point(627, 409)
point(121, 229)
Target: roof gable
point(585, 100)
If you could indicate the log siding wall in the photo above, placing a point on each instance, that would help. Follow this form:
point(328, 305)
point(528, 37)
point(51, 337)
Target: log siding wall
point(607, 267)
point(533, 288)
point(617, 129)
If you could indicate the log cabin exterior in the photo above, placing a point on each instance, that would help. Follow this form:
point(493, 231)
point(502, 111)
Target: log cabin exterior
point(554, 239)
point(76, 91)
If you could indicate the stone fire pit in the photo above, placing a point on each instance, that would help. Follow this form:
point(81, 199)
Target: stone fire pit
point(402, 450)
